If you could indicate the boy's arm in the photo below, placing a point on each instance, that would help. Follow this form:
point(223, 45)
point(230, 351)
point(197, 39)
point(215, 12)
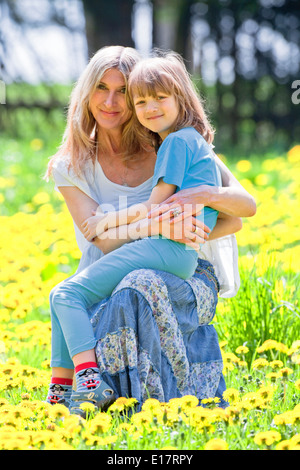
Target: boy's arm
point(98, 224)
point(139, 211)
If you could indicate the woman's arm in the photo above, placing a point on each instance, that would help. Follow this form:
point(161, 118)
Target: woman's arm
point(226, 225)
point(81, 206)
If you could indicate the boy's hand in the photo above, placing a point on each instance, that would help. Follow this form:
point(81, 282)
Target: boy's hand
point(97, 224)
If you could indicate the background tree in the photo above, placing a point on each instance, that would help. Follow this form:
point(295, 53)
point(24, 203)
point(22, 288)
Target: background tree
point(243, 54)
point(108, 22)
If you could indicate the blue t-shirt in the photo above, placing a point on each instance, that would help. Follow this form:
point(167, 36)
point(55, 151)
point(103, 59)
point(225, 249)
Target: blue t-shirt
point(186, 160)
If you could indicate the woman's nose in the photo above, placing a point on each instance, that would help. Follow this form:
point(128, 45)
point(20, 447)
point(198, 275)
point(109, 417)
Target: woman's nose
point(110, 99)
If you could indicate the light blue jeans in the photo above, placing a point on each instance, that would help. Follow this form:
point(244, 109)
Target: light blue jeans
point(72, 332)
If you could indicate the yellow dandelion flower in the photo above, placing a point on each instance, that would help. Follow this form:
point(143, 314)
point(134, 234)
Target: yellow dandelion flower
point(108, 440)
point(270, 344)
point(36, 144)
point(189, 401)
point(296, 359)
point(122, 403)
point(285, 372)
point(100, 424)
point(243, 166)
point(233, 413)
point(210, 401)
point(266, 392)
point(251, 401)
point(273, 376)
point(87, 407)
point(216, 444)
point(295, 439)
point(276, 364)
point(294, 154)
point(3, 402)
point(262, 179)
point(267, 438)
point(260, 364)
point(242, 350)
point(297, 384)
point(90, 439)
point(41, 198)
point(143, 418)
point(198, 416)
point(59, 411)
point(284, 419)
point(284, 445)
point(151, 404)
point(231, 395)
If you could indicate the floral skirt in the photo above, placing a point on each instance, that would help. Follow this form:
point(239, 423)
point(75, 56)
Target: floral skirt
point(154, 339)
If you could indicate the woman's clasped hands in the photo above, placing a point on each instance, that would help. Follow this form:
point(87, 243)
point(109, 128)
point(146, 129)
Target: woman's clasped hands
point(179, 223)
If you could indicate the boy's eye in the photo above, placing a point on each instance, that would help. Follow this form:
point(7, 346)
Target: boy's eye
point(137, 102)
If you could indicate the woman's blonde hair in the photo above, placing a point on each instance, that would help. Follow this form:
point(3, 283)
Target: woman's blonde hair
point(166, 72)
point(79, 141)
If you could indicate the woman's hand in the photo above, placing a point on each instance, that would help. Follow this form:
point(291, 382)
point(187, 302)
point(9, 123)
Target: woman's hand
point(187, 201)
point(182, 229)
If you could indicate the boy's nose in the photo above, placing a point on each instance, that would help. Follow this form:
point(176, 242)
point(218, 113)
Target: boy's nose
point(151, 106)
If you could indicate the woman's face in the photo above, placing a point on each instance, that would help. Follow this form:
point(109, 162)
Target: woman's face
point(108, 103)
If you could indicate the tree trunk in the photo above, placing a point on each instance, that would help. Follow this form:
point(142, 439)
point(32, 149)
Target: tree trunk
point(108, 23)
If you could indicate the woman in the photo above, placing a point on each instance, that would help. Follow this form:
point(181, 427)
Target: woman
point(154, 325)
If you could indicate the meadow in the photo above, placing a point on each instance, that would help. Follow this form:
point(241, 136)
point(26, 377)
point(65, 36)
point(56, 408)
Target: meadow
point(259, 329)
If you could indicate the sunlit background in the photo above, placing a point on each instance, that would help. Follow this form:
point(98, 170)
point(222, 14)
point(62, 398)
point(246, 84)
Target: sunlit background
point(244, 56)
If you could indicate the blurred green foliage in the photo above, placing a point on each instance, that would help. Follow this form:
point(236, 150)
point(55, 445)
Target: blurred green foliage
point(34, 110)
point(263, 119)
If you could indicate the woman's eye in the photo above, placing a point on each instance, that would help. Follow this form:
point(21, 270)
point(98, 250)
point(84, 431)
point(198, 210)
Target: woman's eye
point(100, 86)
point(123, 90)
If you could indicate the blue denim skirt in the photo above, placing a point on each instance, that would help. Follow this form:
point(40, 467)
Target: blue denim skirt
point(154, 337)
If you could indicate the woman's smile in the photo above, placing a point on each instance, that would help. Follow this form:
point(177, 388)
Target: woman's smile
point(108, 103)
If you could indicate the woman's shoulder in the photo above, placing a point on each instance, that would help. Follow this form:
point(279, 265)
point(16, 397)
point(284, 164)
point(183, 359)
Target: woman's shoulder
point(64, 163)
point(64, 173)
point(61, 162)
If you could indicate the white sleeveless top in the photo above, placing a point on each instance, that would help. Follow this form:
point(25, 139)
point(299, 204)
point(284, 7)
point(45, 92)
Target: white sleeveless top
point(222, 253)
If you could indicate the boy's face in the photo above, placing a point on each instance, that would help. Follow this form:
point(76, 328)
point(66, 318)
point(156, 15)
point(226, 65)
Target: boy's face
point(157, 113)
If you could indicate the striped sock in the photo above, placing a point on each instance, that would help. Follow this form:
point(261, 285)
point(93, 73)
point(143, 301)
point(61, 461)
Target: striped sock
point(59, 388)
point(87, 376)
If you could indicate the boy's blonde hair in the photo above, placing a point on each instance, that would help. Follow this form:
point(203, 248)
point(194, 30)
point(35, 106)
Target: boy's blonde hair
point(80, 138)
point(166, 72)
